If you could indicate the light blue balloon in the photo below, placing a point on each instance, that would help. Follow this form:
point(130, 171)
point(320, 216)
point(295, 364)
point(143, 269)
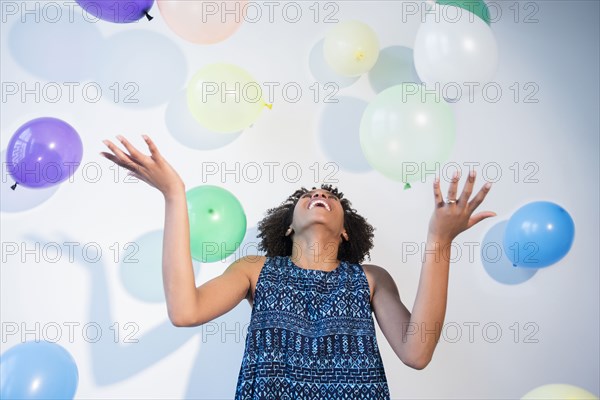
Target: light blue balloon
point(38, 370)
point(538, 235)
point(495, 262)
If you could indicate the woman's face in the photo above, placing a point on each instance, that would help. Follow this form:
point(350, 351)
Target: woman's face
point(319, 206)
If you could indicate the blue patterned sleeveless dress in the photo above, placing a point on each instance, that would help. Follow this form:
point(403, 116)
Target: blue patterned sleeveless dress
point(311, 336)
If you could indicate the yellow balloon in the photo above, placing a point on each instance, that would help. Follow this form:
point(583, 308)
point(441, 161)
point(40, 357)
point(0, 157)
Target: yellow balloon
point(224, 98)
point(351, 48)
point(559, 391)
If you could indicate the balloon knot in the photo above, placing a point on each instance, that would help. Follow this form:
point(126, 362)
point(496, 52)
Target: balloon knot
point(407, 186)
point(150, 18)
point(13, 187)
point(270, 106)
point(359, 55)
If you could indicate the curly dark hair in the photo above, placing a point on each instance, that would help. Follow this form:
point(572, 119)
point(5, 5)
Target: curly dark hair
point(274, 225)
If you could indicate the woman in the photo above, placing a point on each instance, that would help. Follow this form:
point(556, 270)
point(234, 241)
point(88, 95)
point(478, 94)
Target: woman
point(311, 334)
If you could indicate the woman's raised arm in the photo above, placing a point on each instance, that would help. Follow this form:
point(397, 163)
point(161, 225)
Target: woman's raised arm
point(187, 305)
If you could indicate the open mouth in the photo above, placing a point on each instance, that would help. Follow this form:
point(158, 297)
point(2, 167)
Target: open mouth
point(318, 203)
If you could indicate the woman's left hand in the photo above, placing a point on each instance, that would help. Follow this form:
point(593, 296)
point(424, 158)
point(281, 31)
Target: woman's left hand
point(451, 218)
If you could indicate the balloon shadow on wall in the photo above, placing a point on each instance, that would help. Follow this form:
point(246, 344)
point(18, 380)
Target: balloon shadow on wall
point(141, 69)
point(394, 66)
point(187, 131)
point(141, 267)
point(339, 133)
point(134, 351)
point(215, 373)
point(56, 49)
point(134, 69)
point(322, 72)
point(22, 198)
point(496, 263)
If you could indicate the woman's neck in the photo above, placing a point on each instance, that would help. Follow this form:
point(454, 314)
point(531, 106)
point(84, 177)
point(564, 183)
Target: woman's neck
point(320, 251)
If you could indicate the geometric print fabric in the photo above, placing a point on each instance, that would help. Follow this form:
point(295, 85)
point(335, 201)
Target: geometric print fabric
point(311, 336)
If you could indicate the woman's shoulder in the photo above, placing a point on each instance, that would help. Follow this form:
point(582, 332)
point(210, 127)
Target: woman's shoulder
point(372, 268)
point(376, 275)
point(250, 261)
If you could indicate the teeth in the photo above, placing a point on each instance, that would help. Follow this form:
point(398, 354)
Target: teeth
point(315, 202)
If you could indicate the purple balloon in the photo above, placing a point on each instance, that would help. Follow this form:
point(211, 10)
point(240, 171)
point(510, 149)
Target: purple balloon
point(121, 11)
point(43, 152)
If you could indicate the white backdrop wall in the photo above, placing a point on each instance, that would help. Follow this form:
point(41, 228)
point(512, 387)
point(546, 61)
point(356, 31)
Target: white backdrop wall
point(544, 330)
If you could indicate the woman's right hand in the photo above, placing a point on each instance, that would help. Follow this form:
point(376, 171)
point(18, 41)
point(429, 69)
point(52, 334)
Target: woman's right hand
point(153, 169)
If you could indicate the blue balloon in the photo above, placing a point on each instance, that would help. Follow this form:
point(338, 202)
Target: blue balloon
point(38, 370)
point(538, 235)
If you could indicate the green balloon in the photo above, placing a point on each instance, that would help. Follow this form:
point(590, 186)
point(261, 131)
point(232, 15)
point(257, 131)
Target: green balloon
point(477, 7)
point(406, 133)
point(217, 223)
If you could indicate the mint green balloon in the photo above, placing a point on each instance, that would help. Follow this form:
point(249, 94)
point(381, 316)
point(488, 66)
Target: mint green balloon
point(217, 223)
point(477, 7)
point(406, 135)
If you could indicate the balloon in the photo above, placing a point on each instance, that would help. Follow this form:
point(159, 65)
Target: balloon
point(120, 11)
point(224, 98)
point(538, 235)
point(477, 7)
point(351, 48)
point(454, 49)
point(203, 22)
point(38, 370)
point(217, 223)
point(559, 392)
point(405, 134)
point(496, 263)
point(44, 152)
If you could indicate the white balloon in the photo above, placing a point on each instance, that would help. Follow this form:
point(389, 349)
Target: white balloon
point(452, 46)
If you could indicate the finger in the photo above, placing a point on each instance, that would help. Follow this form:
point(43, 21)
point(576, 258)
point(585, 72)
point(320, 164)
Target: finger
point(467, 189)
point(152, 147)
point(128, 165)
point(453, 186)
point(135, 154)
point(485, 189)
point(477, 218)
point(437, 193)
point(122, 156)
